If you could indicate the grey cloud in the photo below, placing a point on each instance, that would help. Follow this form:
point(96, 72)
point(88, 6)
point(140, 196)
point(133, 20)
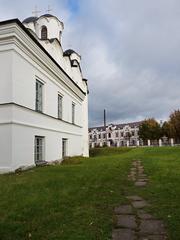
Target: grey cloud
point(130, 53)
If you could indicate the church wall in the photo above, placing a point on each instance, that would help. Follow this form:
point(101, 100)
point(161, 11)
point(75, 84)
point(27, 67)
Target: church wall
point(29, 117)
point(19, 122)
point(19, 126)
point(24, 79)
point(85, 128)
point(5, 147)
point(77, 77)
point(23, 145)
point(67, 68)
point(53, 25)
point(23, 138)
point(5, 76)
point(55, 50)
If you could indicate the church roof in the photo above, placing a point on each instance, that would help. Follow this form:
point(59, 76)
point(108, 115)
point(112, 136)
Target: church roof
point(33, 19)
point(30, 19)
point(69, 52)
point(48, 15)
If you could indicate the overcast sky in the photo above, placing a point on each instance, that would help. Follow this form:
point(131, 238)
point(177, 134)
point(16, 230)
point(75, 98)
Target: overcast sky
point(130, 52)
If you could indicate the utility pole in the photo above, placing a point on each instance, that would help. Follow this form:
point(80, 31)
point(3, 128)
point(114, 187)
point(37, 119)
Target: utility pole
point(104, 117)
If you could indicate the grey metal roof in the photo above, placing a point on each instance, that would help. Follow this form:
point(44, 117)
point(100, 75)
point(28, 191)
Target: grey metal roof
point(118, 126)
point(48, 15)
point(69, 52)
point(30, 19)
point(33, 19)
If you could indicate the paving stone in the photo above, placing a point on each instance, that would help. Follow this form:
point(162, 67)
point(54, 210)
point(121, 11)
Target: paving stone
point(133, 169)
point(140, 204)
point(123, 234)
point(152, 227)
point(135, 198)
point(145, 216)
point(134, 164)
point(126, 221)
point(143, 175)
point(132, 174)
point(140, 184)
point(154, 237)
point(143, 179)
point(124, 209)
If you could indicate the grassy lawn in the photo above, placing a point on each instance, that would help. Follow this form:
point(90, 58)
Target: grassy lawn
point(76, 200)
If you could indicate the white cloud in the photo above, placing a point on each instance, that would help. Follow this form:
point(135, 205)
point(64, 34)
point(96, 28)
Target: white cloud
point(130, 53)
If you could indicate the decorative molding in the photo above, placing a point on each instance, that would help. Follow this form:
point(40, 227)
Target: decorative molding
point(32, 110)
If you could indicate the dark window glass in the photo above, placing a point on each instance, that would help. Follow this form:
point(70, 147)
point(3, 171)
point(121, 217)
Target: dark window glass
point(44, 33)
point(39, 97)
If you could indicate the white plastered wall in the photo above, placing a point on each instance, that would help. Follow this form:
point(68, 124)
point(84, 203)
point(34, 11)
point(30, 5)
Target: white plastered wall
point(6, 76)
point(24, 79)
point(23, 145)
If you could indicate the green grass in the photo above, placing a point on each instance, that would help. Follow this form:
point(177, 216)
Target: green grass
point(75, 200)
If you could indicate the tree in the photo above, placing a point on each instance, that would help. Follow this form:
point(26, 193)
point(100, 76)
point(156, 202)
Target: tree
point(167, 130)
point(150, 129)
point(174, 123)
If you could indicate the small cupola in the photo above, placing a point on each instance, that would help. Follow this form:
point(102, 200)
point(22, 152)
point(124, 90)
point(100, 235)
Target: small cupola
point(74, 57)
point(49, 27)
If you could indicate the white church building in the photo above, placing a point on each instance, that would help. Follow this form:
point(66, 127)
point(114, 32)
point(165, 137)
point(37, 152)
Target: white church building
point(43, 96)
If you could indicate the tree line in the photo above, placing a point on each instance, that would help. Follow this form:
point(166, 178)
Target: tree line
point(151, 129)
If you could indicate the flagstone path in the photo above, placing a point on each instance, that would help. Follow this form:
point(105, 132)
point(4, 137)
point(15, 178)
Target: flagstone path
point(132, 222)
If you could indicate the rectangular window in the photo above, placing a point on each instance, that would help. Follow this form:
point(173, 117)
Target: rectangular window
point(60, 99)
point(39, 96)
point(64, 147)
point(39, 149)
point(73, 113)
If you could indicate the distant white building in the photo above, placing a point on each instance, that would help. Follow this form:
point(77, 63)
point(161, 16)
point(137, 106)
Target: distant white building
point(115, 135)
point(43, 96)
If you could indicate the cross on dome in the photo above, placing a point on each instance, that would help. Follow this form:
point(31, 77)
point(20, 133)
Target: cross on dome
point(36, 11)
point(49, 10)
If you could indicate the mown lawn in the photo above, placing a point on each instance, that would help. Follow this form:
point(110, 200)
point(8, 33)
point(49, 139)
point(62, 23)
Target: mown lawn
point(75, 201)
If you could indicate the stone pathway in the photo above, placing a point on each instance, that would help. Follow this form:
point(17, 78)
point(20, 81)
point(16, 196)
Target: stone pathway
point(137, 174)
point(132, 222)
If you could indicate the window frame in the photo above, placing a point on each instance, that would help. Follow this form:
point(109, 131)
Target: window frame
point(73, 112)
point(39, 96)
point(44, 35)
point(60, 109)
point(39, 155)
point(64, 147)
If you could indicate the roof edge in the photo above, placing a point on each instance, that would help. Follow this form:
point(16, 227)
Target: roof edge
point(19, 23)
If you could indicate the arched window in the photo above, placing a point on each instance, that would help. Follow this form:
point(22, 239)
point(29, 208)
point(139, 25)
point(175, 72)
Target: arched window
point(44, 33)
point(60, 34)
